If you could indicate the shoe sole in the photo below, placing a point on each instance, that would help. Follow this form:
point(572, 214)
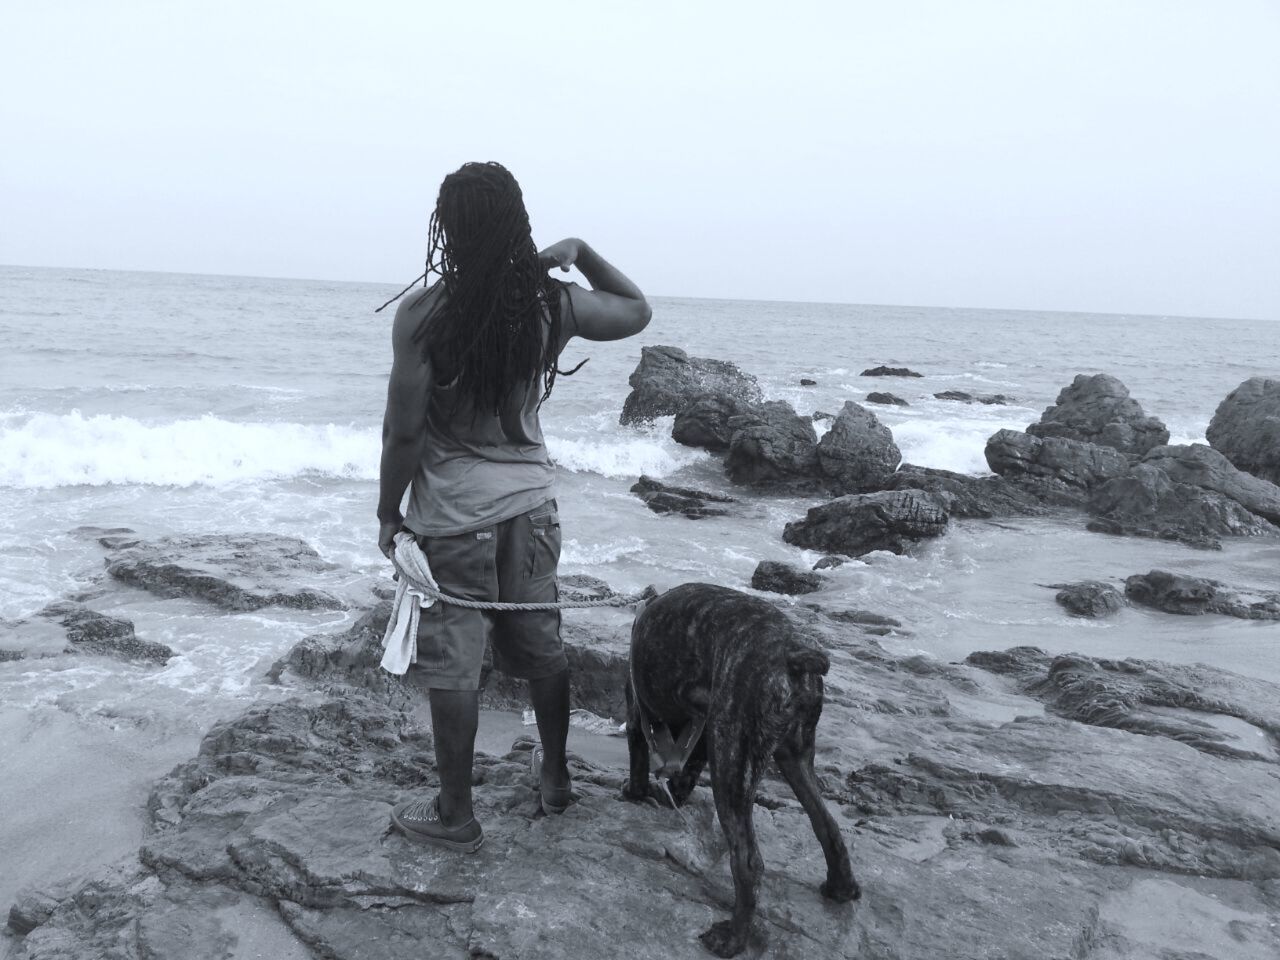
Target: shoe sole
point(456, 846)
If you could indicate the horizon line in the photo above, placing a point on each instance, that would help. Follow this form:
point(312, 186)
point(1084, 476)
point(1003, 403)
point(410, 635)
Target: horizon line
point(826, 303)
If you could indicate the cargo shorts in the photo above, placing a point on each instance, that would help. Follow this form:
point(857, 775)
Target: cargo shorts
point(513, 561)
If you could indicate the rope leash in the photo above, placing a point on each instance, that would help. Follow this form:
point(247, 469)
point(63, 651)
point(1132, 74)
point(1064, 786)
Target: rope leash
point(435, 592)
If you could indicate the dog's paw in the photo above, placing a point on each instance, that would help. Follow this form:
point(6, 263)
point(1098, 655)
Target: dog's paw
point(841, 891)
point(634, 794)
point(723, 940)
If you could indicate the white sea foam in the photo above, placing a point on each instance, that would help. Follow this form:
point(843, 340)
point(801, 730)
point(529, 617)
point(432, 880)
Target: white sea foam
point(47, 450)
point(956, 445)
point(614, 451)
point(43, 450)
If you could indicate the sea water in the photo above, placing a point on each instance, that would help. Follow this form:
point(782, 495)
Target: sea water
point(176, 404)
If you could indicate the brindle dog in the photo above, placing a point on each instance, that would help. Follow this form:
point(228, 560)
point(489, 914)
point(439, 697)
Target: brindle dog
point(703, 650)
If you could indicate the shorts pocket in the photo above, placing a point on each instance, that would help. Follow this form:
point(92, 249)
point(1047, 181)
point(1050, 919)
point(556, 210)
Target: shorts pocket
point(544, 544)
point(461, 563)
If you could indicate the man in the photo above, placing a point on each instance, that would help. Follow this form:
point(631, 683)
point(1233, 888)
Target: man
point(474, 357)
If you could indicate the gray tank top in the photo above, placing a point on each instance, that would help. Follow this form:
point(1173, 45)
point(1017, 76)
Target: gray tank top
point(478, 471)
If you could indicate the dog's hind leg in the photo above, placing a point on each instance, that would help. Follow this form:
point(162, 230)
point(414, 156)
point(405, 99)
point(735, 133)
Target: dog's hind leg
point(682, 784)
point(735, 773)
point(637, 786)
point(794, 756)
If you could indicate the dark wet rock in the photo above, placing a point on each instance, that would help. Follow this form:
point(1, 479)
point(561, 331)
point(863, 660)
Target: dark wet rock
point(1147, 503)
point(830, 562)
point(1246, 428)
point(383, 591)
point(887, 399)
point(694, 504)
point(582, 586)
point(1183, 703)
point(968, 496)
point(860, 523)
point(822, 415)
point(667, 380)
point(7, 656)
point(1176, 593)
point(93, 632)
point(773, 446)
point(239, 572)
point(883, 371)
point(705, 421)
point(1201, 466)
point(1074, 463)
point(991, 399)
point(806, 382)
point(858, 453)
point(1089, 598)
point(1098, 409)
point(777, 577)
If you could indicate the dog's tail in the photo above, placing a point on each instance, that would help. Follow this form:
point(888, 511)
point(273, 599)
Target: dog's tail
point(805, 659)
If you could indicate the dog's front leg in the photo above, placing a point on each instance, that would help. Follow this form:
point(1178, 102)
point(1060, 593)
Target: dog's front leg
point(735, 774)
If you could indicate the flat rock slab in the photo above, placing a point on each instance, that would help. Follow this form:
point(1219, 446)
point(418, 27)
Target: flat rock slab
point(883, 371)
point(1176, 593)
point(694, 504)
point(68, 627)
point(239, 572)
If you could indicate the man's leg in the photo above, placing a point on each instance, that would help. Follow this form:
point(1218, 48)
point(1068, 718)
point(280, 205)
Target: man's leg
point(550, 699)
point(454, 717)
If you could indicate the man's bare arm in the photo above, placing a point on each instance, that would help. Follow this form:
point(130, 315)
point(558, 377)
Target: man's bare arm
point(404, 423)
point(613, 308)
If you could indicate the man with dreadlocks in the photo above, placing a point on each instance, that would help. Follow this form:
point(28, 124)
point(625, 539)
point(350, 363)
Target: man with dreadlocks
point(474, 357)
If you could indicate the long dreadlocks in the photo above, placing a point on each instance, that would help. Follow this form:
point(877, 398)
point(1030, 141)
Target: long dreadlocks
point(490, 323)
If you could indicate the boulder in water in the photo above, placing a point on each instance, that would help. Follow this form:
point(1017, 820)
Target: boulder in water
point(1075, 463)
point(705, 422)
point(773, 446)
point(967, 496)
point(806, 382)
point(1246, 428)
point(1098, 409)
point(694, 504)
point(858, 453)
point(776, 577)
point(667, 380)
point(991, 399)
point(883, 371)
point(860, 523)
point(886, 399)
point(1201, 466)
point(1089, 598)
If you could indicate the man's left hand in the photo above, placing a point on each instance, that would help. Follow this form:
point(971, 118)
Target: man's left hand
point(387, 537)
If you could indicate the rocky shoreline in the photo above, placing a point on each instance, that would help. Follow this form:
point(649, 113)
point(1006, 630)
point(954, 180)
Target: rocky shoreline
point(1015, 804)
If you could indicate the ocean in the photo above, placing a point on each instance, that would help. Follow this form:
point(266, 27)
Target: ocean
point(201, 404)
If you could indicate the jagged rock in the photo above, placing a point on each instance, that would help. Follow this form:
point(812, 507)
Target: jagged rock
point(1246, 428)
point(1204, 467)
point(888, 399)
point(1089, 598)
point(772, 446)
point(968, 496)
point(883, 371)
point(806, 382)
point(236, 572)
point(1146, 503)
point(776, 577)
point(1098, 409)
point(1074, 463)
point(822, 415)
point(694, 504)
point(582, 586)
point(705, 421)
point(1175, 593)
point(858, 453)
point(992, 399)
point(667, 380)
point(95, 632)
point(860, 523)
point(1179, 702)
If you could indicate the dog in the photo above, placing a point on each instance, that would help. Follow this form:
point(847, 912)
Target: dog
point(704, 653)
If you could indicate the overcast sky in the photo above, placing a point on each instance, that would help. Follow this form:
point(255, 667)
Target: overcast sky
point(1114, 156)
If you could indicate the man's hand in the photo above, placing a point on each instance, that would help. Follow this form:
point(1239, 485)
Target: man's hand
point(387, 537)
point(563, 254)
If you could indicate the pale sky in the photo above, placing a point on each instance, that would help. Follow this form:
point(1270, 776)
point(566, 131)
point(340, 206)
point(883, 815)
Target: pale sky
point(1115, 156)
